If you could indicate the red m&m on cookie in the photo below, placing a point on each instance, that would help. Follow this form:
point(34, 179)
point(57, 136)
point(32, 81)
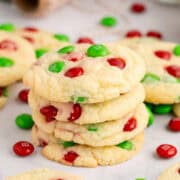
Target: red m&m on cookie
point(117, 62)
point(85, 40)
point(130, 125)
point(31, 29)
point(74, 72)
point(164, 55)
point(76, 112)
point(173, 70)
point(8, 45)
point(70, 156)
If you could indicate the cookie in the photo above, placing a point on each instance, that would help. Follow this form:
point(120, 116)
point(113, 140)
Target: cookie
point(70, 153)
point(3, 96)
point(16, 57)
point(43, 174)
point(99, 112)
point(85, 72)
point(100, 134)
point(162, 78)
point(172, 172)
point(176, 109)
point(42, 41)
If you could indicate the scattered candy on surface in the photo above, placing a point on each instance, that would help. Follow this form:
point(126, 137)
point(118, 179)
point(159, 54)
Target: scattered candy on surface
point(154, 34)
point(162, 108)
point(23, 148)
point(24, 121)
point(23, 95)
point(166, 151)
point(174, 124)
point(108, 21)
point(133, 33)
point(138, 8)
point(151, 116)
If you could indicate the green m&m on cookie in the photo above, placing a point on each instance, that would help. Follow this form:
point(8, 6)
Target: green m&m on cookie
point(79, 99)
point(176, 50)
point(7, 27)
point(56, 67)
point(24, 121)
point(40, 52)
point(150, 78)
point(6, 62)
point(97, 50)
point(92, 128)
point(128, 145)
point(66, 49)
point(108, 21)
point(61, 37)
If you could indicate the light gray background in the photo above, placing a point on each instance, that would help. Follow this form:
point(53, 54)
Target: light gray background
point(78, 18)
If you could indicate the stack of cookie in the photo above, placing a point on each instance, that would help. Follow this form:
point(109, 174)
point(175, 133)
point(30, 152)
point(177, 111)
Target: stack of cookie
point(162, 78)
point(87, 104)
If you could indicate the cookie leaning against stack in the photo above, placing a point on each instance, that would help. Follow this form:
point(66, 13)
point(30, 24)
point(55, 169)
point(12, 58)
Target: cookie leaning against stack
point(162, 79)
point(16, 57)
point(87, 104)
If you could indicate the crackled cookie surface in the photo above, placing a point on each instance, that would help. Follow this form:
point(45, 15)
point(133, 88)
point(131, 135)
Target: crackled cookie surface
point(162, 78)
point(3, 96)
point(16, 57)
point(85, 72)
point(176, 109)
point(88, 113)
point(100, 134)
point(172, 172)
point(43, 174)
point(72, 154)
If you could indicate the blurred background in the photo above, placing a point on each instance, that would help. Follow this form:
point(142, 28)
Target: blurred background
point(82, 17)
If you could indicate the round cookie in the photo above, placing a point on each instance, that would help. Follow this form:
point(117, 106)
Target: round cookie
point(99, 112)
point(3, 96)
point(172, 172)
point(162, 79)
point(100, 134)
point(16, 57)
point(88, 156)
point(85, 72)
point(176, 109)
point(43, 174)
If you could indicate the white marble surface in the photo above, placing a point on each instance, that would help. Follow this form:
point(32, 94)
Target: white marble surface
point(81, 18)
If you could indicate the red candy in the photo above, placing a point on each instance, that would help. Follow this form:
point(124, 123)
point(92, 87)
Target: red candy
point(23, 148)
point(70, 156)
point(154, 34)
point(74, 56)
point(118, 62)
point(165, 55)
point(173, 70)
point(1, 91)
point(130, 125)
point(179, 170)
point(49, 112)
point(31, 29)
point(138, 8)
point(42, 143)
point(76, 112)
point(85, 40)
point(23, 95)
point(166, 151)
point(74, 72)
point(133, 33)
point(8, 45)
point(29, 39)
point(174, 124)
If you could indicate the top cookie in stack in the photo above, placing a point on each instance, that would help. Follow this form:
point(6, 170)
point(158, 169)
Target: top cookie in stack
point(87, 104)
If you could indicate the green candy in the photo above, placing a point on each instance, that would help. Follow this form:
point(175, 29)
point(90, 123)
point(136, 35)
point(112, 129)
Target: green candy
point(24, 121)
point(151, 116)
point(5, 92)
point(128, 145)
point(67, 144)
point(66, 49)
point(7, 27)
point(176, 50)
point(62, 37)
point(149, 78)
point(149, 105)
point(56, 67)
point(162, 108)
point(79, 99)
point(40, 52)
point(92, 128)
point(108, 21)
point(140, 179)
point(97, 50)
point(6, 62)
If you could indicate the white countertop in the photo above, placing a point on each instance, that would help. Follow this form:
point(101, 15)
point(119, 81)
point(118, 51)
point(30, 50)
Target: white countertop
point(77, 19)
